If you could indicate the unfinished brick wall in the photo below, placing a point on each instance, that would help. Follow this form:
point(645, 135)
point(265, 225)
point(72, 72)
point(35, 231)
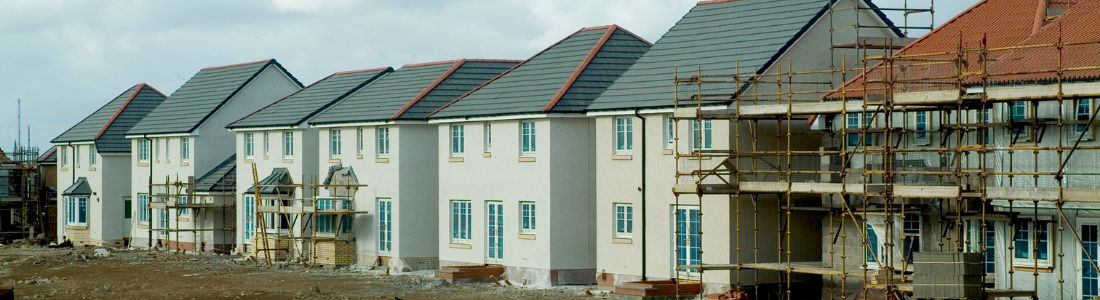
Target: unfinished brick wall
point(80, 237)
point(279, 247)
point(335, 253)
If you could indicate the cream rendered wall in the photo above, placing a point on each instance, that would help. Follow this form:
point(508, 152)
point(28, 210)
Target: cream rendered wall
point(114, 172)
point(559, 181)
point(406, 176)
point(302, 165)
point(169, 167)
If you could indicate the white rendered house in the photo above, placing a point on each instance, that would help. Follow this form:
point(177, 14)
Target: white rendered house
point(531, 205)
point(94, 170)
point(186, 138)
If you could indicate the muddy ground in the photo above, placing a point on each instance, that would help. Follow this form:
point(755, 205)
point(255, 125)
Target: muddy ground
point(42, 273)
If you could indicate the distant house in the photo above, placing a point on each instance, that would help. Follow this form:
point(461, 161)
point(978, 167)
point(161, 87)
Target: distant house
point(47, 172)
point(532, 204)
point(634, 133)
point(380, 136)
point(185, 139)
point(94, 157)
point(284, 150)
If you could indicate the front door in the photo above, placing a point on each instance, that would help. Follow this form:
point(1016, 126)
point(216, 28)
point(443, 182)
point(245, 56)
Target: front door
point(385, 225)
point(495, 213)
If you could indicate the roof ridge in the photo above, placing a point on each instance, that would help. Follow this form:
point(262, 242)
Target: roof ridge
point(93, 112)
point(238, 90)
point(280, 100)
point(137, 90)
point(358, 71)
point(437, 110)
point(341, 98)
point(442, 62)
point(713, 2)
point(237, 65)
point(457, 64)
point(580, 68)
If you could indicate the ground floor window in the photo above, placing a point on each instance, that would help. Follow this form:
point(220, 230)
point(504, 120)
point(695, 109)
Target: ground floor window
point(1090, 281)
point(624, 220)
point(77, 211)
point(332, 223)
point(1031, 242)
point(249, 216)
point(460, 221)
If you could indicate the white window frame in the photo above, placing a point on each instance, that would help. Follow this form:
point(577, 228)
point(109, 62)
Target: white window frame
point(528, 138)
point(249, 145)
point(670, 132)
point(1031, 239)
point(334, 143)
point(288, 144)
point(1080, 258)
point(76, 155)
point(267, 143)
point(167, 148)
point(488, 137)
point(624, 220)
point(359, 140)
point(63, 155)
point(458, 139)
point(624, 135)
point(702, 138)
point(185, 149)
point(1081, 112)
point(75, 204)
point(91, 155)
point(249, 217)
point(855, 122)
point(528, 213)
point(328, 224)
point(690, 273)
point(1028, 114)
point(382, 136)
point(908, 234)
point(921, 132)
point(461, 221)
point(876, 247)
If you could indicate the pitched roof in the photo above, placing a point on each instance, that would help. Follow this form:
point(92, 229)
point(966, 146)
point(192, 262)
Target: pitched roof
point(307, 102)
point(201, 96)
point(720, 36)
point(566, 77)
point(1075, 28)
point(414, 91)
point(222, 178)
point(1000, 23)
point(107, 126)
point(278, 176)
point(50, 157)
point(80, 187)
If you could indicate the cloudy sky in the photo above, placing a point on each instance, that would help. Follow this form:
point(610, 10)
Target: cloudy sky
point(66, 58)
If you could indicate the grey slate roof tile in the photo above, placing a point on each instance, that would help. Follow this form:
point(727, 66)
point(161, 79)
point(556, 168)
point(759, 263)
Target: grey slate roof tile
point(80, 187)
point(307, 102)
point(532, 86)
point(718, 37)
point(222, 178)
point(384, 98)
point(114, 119)
point(201, 96)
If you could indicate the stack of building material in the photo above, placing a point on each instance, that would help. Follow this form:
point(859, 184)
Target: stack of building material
point(947, 275)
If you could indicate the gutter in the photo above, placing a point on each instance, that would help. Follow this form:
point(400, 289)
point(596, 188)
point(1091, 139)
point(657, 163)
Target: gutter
point(643, 190)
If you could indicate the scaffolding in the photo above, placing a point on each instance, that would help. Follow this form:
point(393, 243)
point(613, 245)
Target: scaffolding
point(175, 198)
point(961, 136)
point(309, 229)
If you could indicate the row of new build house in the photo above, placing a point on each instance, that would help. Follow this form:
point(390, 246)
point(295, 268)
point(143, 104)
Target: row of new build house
point(561, 167)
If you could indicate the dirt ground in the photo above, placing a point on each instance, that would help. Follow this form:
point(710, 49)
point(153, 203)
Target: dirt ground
point(42, 273)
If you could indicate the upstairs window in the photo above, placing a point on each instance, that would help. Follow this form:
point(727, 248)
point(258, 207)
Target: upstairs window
point(334, 142)
point(921, 129)
point(1018, 110)
point(458, 139)
point(527, 129)
point(701, 134)
point(359, 140)
point(670, 132)
point(267, 144)
point(76, 155)
point(624, 135)
point(383, 147)
point(65, 158)
point(488, 137)
point(288, 144)
point(249, 148)
point(1082, 112)
point(185, 148)
point(855, 124)
point(91, 155)
point(156, 150)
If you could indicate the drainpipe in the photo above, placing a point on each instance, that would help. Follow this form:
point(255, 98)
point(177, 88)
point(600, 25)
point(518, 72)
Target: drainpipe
point(149, 196)
point(644, 232)
point(63, 200)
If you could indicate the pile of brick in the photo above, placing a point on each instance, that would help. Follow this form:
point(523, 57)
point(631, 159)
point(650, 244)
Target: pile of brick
point(947, 275)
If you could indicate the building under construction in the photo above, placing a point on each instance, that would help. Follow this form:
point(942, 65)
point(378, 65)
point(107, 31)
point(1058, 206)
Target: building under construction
point(960, 166)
